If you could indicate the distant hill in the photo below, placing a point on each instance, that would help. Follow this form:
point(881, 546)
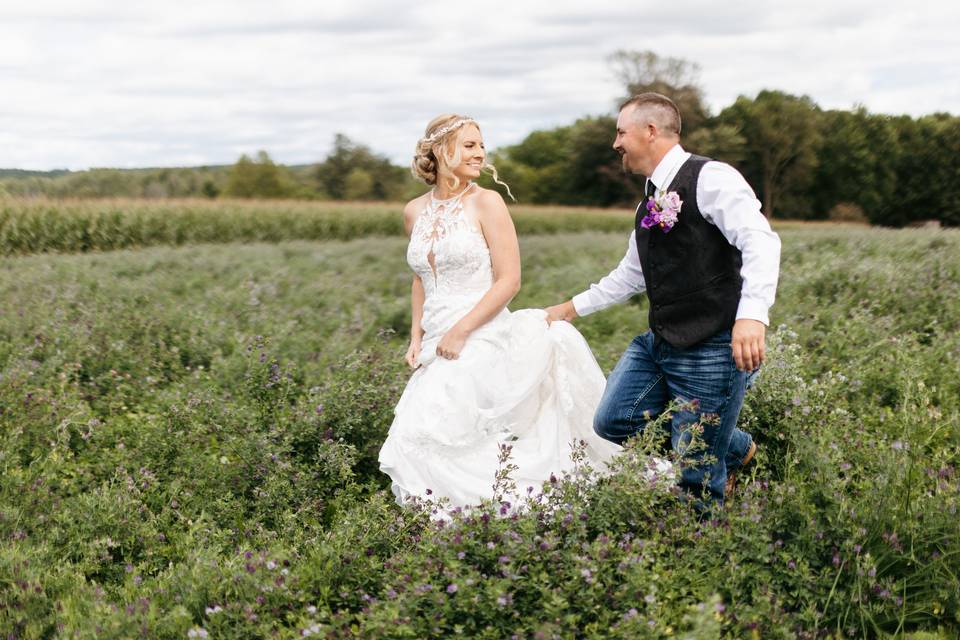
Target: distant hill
point(208, 181)
point(56, 173)
point(26, 173)
point(103, 182)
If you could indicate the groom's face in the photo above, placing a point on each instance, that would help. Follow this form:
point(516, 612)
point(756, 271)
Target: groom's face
point(634, 141)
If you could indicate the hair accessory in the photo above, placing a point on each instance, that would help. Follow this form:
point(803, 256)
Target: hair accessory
point(442, 131)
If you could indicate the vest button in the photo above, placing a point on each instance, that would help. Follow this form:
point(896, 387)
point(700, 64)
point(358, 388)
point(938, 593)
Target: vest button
point(659, 327)
point(658, 307)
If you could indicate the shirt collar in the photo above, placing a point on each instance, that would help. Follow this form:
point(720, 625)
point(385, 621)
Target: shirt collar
point(668, 167)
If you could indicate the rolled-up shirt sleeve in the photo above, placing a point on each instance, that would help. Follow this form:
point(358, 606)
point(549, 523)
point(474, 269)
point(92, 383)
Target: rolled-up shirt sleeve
point(619, 285)
point(726, 200)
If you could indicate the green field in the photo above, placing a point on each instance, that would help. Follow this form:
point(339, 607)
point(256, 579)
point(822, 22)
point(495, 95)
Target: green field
point(189, 429)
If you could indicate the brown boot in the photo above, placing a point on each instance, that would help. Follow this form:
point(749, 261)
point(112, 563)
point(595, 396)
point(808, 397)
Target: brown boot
point(732, 474)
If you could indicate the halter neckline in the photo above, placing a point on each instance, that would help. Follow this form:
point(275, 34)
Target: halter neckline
point(435, 200)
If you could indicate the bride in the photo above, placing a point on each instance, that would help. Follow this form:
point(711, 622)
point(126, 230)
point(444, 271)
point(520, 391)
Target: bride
point(483, 376)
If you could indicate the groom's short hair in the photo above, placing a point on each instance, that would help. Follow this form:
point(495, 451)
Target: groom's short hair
point(659, 108)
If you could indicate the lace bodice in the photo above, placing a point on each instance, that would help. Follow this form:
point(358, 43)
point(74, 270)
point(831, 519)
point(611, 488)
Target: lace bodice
point(449, 253)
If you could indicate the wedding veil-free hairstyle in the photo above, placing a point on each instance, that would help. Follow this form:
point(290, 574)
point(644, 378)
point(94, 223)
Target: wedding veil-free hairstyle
point(440, 150)
point(660, 109)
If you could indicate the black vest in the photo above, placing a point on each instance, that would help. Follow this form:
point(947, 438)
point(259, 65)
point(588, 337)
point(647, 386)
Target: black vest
point(692, 273)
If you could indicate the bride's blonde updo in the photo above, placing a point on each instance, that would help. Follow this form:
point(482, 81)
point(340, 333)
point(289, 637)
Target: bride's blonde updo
point(439, 150)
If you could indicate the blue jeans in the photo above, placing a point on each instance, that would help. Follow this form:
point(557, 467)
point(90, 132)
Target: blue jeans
point(650, 374)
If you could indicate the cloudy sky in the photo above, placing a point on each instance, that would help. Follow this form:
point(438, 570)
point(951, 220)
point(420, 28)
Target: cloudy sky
point(130, 84)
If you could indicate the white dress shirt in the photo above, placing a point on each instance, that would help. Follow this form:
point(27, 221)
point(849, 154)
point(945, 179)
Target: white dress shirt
point(725, 200)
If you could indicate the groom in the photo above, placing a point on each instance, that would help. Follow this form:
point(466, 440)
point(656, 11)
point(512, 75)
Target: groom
point(710, 269)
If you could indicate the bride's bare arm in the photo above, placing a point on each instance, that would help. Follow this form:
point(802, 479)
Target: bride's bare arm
point(501, 237)
point(410, 213)
point(416, 332)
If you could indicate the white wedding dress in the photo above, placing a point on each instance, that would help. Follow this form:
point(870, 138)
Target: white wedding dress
point(517, 381)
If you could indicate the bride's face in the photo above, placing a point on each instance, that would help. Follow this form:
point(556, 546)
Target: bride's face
point(472, 154)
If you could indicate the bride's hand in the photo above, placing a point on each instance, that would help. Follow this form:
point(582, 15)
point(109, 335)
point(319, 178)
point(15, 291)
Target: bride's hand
point(451, 343)
point(413, 354)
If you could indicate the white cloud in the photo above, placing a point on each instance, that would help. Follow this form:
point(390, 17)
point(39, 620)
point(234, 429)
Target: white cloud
point(104, 83)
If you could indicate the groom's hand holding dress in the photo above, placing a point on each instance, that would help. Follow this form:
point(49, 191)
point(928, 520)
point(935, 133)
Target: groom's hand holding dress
point(563, 311)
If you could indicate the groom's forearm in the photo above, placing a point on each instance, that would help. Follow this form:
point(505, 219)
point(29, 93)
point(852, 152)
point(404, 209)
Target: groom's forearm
point(615, 288)
point(563, 311)
point(760, 272)
point(621, 284)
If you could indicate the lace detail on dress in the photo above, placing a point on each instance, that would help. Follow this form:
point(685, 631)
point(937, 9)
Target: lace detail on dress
point(561, 367)
point(450, 255)
point(440, 218)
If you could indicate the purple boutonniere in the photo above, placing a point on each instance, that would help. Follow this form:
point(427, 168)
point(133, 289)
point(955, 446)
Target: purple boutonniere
point(662, 212)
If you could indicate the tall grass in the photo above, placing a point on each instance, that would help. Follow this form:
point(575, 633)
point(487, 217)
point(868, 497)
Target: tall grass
point(74, 226)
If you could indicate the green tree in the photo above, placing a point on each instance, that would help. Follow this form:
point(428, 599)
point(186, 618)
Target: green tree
point(943, 176)
point(358, 185)
point(593, 172)
point(718, 140)
point(783, 137)
point(258, 178)
point(210, 189)
point(927, 171)
point(676, 78)
point(387, 181)
point(858, 162)
point(534, 168)
point(574, 165)
point(102, 183)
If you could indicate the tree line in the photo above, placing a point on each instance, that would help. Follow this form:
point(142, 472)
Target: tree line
point(350, 172)
point(803, 161)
